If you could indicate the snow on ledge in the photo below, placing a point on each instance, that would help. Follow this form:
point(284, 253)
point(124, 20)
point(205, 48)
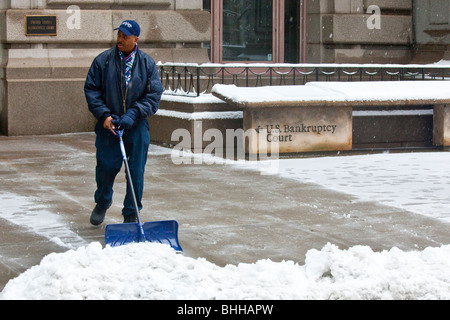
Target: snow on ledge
point(219, 115)
point(376, 91)
point(170, 96)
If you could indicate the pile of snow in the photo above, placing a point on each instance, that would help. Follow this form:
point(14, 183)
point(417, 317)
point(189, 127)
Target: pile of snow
point(154, 271)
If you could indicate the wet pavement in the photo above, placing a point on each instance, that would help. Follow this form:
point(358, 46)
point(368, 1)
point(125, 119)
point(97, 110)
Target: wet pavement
point(226, 214)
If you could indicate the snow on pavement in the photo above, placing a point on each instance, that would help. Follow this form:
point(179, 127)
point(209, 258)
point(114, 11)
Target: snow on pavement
point(417, 182)
point(414, 181)
point(26, 211)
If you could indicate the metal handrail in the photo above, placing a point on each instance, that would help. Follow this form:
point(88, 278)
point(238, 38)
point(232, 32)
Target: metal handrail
point(190, 79)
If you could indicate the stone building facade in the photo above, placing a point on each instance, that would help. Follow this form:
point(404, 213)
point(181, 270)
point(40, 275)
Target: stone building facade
point(378, 31)
point(42, 77)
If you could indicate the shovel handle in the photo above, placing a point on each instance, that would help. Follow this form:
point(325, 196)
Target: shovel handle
point(130, 181)
point(119, 134)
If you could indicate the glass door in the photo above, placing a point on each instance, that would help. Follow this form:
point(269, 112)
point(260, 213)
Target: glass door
point(247, 30)
point(268, 31)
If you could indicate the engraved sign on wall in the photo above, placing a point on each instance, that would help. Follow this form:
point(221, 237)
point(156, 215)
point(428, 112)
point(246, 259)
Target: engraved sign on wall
point(299, 129)
point(40, 25)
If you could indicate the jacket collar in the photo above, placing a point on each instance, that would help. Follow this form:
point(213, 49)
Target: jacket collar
point(122, 55)
point(118, 52)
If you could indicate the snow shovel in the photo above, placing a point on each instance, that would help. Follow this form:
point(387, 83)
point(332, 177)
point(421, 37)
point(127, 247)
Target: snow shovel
point(165, 232)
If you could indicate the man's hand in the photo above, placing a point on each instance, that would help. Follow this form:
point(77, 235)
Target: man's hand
point(108, 125)
point(124, 122)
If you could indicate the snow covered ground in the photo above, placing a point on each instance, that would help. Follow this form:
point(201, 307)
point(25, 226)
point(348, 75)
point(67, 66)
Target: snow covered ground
point(418, 182)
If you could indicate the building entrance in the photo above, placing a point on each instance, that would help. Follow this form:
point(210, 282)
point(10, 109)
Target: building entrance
point(257, 31)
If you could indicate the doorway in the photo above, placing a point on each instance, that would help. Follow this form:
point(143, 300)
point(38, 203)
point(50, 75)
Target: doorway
point(267, 31)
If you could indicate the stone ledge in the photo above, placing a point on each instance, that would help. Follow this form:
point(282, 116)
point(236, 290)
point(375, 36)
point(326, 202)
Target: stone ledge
point(298, 130)
point(442, 125)
point(404, 5)
point(203, 103)
point(97, 26)
point(99, 22)
point(352, 29)
point(74, 63)
point(395, 93)
point(319, 116)
point(37, 107)
point(110, 3)
point(194, 115)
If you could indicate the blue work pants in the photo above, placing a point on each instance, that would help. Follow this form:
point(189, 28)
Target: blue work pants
point(109, 164)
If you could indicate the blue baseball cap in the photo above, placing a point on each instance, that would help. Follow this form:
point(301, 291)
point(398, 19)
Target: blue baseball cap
point(130, 27)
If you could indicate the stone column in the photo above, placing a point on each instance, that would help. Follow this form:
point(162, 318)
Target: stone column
point(441, 133)
point(432, 30)
point(4, 5)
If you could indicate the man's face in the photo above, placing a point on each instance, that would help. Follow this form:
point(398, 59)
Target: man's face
point(125, 43)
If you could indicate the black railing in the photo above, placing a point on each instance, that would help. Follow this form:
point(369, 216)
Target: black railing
point(194, 80)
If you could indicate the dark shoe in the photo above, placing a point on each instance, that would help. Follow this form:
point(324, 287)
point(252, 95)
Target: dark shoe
point(130, 218)
point(98, 215)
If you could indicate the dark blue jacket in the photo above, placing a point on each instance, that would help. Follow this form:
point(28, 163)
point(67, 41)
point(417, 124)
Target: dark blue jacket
point(105, 88)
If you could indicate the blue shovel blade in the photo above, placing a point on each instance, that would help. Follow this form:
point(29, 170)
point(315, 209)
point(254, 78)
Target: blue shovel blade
point(165, 232)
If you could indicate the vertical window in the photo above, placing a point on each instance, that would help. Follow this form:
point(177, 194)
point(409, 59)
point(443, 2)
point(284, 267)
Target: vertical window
point(257, 31)
point(207, 5)
point(247, 30)
point(291, 31)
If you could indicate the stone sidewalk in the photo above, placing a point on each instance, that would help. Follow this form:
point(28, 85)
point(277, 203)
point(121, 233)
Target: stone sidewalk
point(226, 214)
